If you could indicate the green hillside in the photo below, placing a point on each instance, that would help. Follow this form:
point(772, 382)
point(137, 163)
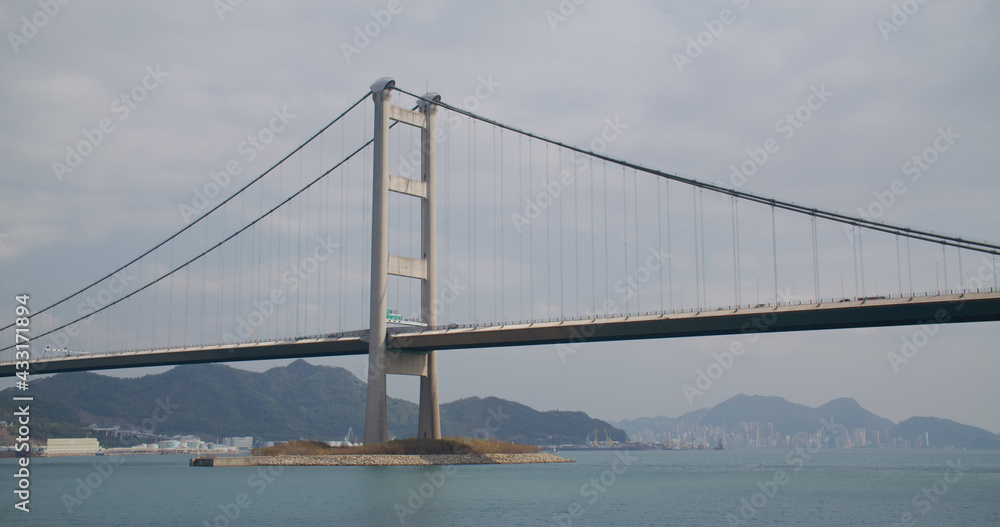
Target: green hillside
point(280, 404)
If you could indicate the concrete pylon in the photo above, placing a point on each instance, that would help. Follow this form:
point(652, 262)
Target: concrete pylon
point(380, 361)
point(376, 416)
point(430, 418)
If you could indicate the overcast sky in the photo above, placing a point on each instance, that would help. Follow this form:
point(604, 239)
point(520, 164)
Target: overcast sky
point(697, 83)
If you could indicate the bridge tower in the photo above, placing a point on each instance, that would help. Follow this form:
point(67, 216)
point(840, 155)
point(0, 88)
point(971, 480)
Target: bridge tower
point(382, 361)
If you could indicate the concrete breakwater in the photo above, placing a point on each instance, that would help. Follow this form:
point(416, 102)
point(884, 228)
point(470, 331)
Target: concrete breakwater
point(378, 460)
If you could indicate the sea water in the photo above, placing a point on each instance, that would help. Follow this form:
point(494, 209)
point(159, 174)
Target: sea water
point(685, 488)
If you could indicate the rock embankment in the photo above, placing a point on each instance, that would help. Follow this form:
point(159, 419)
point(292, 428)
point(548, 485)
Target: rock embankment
point(379, 460)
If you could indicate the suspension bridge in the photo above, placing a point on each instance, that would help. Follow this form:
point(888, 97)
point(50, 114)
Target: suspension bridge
point(408, 225)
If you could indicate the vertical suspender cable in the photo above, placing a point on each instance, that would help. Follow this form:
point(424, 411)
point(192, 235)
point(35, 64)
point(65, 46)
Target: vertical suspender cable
point(204, 295)
point(138, 318)
point(395, 208)
point(562, 268)
point(625, 231)
point(576, 238)
point(815, 239)
point(861, 259)
point(697, 268)
point(260, 249)
point(221, 284)
point(548, 243)
point(659, 238)
point(944, 267)
point(365, 239)
point(307, 198)
point(107, 328)
point(446, 188)
point(994, 260)
point(187, 293)
point(739, 274)
point(298, 252)
point(344, 235)
point(635, 210)
point(961, 282)
point(472, 213)
point(531, 238)
point(670, 254)
point(909, 265)
point(324, 226)
point(701, 220)
point(736, 280)
point(170, 294)
point(899, 268)
point(503, 255)
point(593, 238)
point(520, 234)
point(607, 275)
point(495, 227)
point(774, 254)
point(854, 241)
point(414, 285)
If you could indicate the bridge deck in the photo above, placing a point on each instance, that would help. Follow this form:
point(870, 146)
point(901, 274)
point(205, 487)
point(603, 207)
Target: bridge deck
point(945, 309)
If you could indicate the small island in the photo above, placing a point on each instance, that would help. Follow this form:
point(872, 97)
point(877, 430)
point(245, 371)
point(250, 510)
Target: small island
point(449, 451)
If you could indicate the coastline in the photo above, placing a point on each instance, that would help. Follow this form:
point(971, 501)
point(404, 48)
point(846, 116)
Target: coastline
point(379, 460)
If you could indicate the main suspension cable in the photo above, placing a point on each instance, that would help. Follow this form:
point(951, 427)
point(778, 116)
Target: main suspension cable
point(954, 241)
point(203, 216)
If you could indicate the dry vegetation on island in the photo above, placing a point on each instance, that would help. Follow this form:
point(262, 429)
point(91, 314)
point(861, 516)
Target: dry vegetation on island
point(414, 446)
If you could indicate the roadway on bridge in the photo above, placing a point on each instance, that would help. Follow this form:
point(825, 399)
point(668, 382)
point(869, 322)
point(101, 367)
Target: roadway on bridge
point(877, 312)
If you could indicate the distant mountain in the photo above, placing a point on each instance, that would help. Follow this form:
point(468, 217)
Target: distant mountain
point(945, 433)
point(300, 400)
point(849, 413)
point(789, 418)
point(512, 421)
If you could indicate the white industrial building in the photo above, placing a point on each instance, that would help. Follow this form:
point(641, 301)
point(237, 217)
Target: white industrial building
point(84, 446)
